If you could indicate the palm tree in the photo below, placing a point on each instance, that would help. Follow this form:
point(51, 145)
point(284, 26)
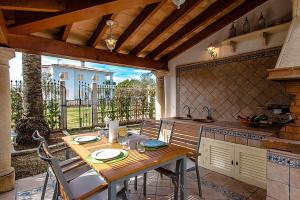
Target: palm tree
point(32, 116)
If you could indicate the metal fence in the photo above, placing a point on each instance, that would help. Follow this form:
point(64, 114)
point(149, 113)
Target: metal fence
point(128, 105)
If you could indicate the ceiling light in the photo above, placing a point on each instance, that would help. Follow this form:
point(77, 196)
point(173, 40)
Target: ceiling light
point(110, 41)
point(178, 3)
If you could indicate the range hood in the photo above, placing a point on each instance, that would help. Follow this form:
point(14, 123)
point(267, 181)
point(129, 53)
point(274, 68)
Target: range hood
point(287, 71)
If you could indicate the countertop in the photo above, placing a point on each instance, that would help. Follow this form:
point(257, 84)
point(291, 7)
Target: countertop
point(267, 130)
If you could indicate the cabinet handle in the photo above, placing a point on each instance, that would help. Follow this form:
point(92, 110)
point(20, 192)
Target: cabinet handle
point(232, 162)
point(236, 163)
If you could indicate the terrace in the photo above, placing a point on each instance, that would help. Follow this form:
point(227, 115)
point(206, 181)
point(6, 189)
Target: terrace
point(223, 114)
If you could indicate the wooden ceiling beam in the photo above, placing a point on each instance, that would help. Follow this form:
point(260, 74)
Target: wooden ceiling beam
point(3, 30)
point(199, 20)
point(96, 37)
point(58, 48)
point(174, 17)
point(148, 9)
point(96, 9)
point(214, 27)
point(33, 5)
point(64, 32)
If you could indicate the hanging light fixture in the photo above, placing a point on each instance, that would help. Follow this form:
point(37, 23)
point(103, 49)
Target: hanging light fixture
point(178, 3)
point(110, 41)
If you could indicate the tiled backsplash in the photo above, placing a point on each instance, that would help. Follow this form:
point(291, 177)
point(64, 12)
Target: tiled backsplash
point(231, 86)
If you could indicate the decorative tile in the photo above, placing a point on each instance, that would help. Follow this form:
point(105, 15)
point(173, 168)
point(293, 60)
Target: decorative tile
point(283, 160)
point(232, 86)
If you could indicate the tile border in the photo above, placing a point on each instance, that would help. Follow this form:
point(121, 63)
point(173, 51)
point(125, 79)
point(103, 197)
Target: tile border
point(237, 133)
point(283, 160)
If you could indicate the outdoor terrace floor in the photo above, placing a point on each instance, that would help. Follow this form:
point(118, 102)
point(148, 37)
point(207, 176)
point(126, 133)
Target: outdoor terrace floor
point(214, 186)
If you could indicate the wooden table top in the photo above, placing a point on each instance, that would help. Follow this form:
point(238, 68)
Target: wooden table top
point(134, 163)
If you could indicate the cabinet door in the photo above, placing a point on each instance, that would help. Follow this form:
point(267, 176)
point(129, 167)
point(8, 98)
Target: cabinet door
point(219, 156)
point(250, 165)
point(201, 151)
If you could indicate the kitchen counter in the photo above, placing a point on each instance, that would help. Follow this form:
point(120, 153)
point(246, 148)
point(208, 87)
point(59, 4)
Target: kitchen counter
point(235, 132)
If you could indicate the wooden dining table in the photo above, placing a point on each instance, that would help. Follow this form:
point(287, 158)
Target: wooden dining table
point(135, 164)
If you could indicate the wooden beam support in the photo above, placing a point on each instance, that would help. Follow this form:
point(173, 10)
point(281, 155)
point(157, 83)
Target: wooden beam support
point(51, 47)
point(148, 9)
point(33, 5)
point(98, 8)
point(64, 32)
point(3, 30)
point(216, 26)
point(201, 19)
point(96, 37)
point(174, 17)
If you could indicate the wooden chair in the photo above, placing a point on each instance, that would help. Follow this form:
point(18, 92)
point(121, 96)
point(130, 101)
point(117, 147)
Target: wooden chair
point(71, 168)
point(187, 136)
point(88, 185)
point(157, 130)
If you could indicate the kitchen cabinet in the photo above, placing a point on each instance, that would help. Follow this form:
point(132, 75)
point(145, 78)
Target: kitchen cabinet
point(244, 163)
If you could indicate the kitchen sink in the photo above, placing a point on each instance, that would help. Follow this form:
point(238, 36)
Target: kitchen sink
point(204, 120)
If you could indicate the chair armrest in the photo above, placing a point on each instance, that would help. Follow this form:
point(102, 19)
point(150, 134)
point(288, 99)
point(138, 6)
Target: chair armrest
point(97, 189)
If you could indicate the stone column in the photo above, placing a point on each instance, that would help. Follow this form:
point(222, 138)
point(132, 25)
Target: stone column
point(63, 102)
point(94, 102)
point(7, 173)
point(160, 94)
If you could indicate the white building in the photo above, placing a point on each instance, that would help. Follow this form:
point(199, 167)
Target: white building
point(73, 74)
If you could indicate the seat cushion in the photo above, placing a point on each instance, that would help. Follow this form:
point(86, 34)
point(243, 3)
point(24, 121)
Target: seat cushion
point(172, 166)
point(87, 182)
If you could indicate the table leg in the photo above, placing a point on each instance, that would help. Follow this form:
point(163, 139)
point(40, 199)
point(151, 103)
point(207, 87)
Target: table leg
point(112, 191)
point(176, 181)
point(182, 178)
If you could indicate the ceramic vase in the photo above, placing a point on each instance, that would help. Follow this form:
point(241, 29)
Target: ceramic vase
point(113, 131)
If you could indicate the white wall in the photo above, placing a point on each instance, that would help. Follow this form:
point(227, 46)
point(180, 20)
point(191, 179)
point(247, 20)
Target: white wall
point(273, 11)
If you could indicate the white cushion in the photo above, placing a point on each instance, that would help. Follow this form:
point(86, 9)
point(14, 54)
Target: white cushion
point(87, 182)
point(172, 166)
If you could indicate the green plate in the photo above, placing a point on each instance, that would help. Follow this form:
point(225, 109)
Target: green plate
point(122, 156)
point(155, 148)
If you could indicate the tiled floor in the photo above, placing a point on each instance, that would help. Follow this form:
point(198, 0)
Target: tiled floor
point(214, 186)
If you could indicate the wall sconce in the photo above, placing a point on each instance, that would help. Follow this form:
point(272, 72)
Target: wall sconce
point(212, 52)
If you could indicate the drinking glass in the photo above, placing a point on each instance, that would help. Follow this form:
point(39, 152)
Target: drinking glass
point(123, 141)
point(140, 146)
point(98, 132)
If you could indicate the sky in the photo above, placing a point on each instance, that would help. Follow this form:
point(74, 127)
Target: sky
point(121, 73)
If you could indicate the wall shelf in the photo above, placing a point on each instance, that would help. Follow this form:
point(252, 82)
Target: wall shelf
point(264, 34)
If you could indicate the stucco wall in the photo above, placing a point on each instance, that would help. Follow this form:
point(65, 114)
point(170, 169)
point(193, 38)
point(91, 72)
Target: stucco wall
point(273, 10)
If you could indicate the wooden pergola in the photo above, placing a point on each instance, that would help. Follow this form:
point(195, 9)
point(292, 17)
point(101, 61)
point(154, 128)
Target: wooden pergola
point(149, 34)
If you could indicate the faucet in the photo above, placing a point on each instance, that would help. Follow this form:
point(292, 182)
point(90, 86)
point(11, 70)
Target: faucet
point(208, 116)
point(188, 115)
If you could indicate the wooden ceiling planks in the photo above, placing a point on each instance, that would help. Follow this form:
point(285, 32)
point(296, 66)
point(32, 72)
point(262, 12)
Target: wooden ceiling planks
point(154, 29)
point(199, 20)
point(96, 37)
point(175, 16)
point(200, 28)
point(68, 17)
point(165, 9)
point(148, 9)
point(64, 32)
point(33, 5)
point(214, 27)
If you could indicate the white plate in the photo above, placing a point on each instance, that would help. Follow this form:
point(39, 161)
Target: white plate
point(105, 154)
point(85, 138)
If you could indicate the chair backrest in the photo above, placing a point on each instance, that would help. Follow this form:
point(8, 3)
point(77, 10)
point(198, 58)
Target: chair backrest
point(188, 136)
point(44, 154)
point(150, 128)
point(166, 130)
